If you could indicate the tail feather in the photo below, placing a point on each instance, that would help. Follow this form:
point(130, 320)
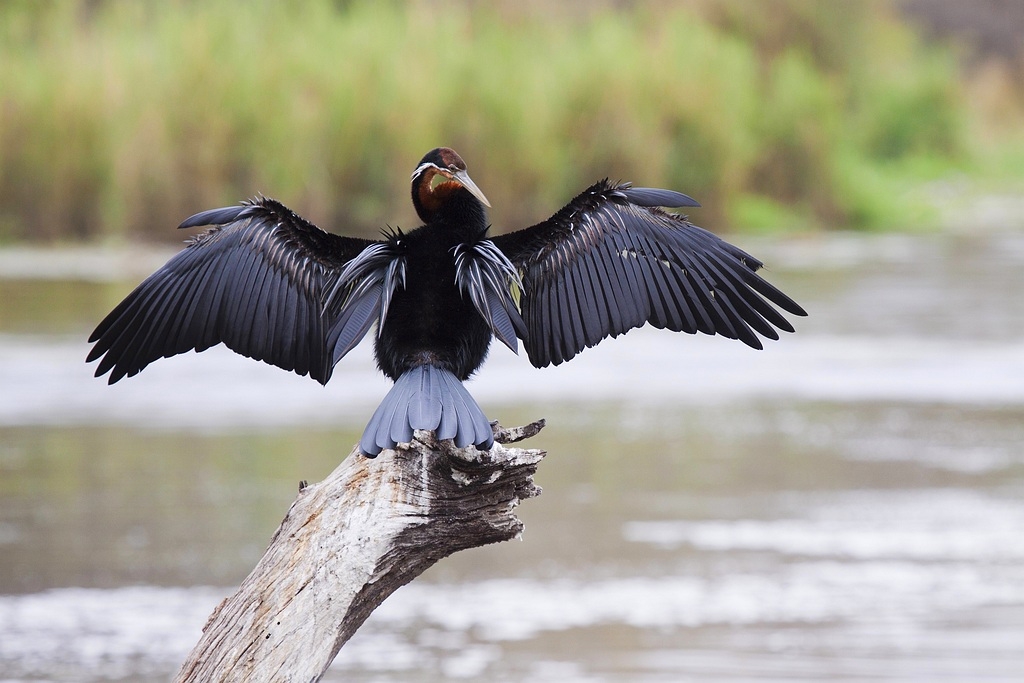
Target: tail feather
point(427, 410)
point(394, 425)
point(431, 398)
point(472, 425)
point(448, 425)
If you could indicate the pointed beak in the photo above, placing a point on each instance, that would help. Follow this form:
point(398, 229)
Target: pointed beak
point(463, 179)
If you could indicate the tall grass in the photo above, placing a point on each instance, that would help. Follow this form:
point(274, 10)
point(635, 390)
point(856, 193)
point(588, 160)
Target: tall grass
point(118, 119)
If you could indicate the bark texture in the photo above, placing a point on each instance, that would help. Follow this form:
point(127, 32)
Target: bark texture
point(350, 541)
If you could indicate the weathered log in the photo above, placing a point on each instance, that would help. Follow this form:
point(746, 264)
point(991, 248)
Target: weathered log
point(350, 541)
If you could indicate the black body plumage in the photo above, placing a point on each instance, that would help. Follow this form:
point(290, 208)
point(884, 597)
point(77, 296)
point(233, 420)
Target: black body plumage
point(274, 287)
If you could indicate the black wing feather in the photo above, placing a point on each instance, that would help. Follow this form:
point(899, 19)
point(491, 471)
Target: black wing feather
point(256, 281)
point(612, 260)
point(654, 197)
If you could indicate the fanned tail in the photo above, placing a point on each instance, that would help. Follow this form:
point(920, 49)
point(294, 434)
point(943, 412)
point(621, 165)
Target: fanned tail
point(426, 397)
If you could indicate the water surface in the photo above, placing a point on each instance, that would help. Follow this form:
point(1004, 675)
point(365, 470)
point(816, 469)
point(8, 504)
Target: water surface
point(846, 505)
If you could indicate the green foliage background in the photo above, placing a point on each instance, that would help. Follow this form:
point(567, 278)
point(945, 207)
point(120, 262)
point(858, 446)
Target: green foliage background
point(118, 119)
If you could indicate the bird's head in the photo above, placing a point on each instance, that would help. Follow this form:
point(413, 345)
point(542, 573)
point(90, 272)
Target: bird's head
point(440, 173)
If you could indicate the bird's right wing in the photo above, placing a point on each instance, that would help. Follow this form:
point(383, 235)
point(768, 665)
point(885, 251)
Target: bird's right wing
point(611, 260)
point(260, 281)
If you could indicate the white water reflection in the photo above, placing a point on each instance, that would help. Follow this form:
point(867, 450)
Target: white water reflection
point(112, 634)
point(933, 525)
point(48, 381)
point(833, 610)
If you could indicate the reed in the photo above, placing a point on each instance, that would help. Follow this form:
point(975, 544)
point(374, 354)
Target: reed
point(119, 119)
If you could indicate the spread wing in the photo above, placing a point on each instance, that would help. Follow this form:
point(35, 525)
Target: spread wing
point(611, 260)
point(260, 281)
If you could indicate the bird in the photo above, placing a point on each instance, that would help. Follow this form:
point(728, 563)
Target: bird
point(273, 286)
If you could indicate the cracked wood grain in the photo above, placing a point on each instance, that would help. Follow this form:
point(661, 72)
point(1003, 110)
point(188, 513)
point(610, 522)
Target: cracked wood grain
point(350, 541)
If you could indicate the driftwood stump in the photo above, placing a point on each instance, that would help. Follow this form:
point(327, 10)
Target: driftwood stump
point(350, 541)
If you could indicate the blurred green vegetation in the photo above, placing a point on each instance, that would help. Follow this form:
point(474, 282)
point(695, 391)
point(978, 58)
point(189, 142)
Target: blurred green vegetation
point(119, 119)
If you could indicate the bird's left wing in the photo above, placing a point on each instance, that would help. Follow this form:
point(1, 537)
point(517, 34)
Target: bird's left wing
point(260, 281)
point(612, 260)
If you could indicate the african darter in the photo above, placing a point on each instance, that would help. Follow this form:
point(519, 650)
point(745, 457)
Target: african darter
point(274, 287)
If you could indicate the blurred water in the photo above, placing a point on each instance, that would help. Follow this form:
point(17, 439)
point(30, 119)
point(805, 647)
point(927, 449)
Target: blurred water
point(846, 505)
